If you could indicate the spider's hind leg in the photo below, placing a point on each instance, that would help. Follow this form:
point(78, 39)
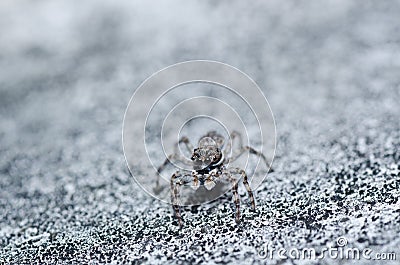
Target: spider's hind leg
point(251, 150)
point(235, 135)
point(187, 143)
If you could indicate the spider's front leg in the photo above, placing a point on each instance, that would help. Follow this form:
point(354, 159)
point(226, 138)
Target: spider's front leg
point(179, 179)
point(243, 175)
point(175, 156)
point(236, 198)
point(235, 171)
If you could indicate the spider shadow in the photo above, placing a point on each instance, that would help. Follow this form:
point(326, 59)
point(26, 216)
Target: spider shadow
point(202, 195)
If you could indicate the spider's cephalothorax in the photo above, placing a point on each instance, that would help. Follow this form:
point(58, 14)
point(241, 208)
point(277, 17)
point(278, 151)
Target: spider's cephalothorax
point(207, 156)
point(209, 162)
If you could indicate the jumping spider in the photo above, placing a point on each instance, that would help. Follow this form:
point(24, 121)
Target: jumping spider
point(209, 162)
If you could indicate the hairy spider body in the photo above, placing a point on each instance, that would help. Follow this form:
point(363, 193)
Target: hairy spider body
point(209, 167)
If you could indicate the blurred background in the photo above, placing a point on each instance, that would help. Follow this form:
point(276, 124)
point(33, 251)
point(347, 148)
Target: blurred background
point(330, 71)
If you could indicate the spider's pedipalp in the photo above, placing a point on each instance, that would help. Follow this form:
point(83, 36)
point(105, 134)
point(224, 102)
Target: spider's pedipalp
point(195, 182)
point(209, 183)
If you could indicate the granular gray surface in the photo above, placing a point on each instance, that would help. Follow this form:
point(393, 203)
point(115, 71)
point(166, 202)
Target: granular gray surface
point(330, 71)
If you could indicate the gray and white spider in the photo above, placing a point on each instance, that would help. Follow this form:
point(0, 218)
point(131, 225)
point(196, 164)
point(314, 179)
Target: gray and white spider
point(209, 162)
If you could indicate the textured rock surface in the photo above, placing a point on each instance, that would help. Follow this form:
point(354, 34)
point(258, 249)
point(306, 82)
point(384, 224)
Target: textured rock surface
point(330, 71)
